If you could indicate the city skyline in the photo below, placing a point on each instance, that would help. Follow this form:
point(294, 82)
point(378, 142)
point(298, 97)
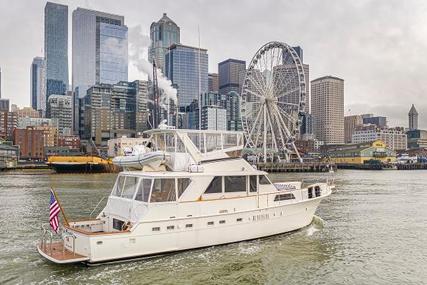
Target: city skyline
point(376, 50)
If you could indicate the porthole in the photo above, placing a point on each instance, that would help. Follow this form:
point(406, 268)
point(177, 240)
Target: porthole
point(222, 222)
point(210, 223)
point(156, 229)
point(170, 227)
point(239, 219)
point(189, 226)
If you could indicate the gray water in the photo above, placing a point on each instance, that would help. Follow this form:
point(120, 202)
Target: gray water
point(370, 231)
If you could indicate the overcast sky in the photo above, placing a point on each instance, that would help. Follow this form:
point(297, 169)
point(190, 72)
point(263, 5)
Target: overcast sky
point(378, 47)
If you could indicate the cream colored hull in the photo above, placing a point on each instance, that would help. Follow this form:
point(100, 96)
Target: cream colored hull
point(142, 241)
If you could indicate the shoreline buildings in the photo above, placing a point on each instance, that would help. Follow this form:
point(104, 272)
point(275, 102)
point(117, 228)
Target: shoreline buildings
point(163, 34)
point(56, 48)
point(327, 109)
point(38, 84)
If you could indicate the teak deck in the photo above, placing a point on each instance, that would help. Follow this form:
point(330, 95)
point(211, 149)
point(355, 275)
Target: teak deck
point(58, 252)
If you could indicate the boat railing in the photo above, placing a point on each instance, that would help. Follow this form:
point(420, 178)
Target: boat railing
point(330, 181)
point(49, 238)
point(97, 205)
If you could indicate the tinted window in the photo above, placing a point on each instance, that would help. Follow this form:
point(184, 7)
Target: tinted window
point(215, 186)
point(144, 190)
point(235, 183)
point(263, 180)
point(129, 187)
point(252, 184)
point(163, 190)
point(281, 197)
point(182, 185)
point(118, 224)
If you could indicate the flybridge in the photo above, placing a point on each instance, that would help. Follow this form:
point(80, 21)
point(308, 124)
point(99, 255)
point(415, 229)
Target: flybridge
point(202, 145)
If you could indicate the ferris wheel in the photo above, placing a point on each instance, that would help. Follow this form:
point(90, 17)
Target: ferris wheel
point(272, 101)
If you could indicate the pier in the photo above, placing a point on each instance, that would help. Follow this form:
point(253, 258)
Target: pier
point(412, 166)
point(295, 167)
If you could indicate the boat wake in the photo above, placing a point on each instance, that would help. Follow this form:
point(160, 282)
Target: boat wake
point(315, 226)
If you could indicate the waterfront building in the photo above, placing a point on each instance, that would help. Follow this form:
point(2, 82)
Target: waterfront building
point(350, 123)
point(231, 74)
point(56, 48)
point(8, 122)
point(185, 72)
point(60, 107)
point(4, 105)
point(417, 139)
point(163, 34)
point(38, 84)
point(24, 122)
point(413, 118)
point(25, 112)
point(306, 128)
point(69, 141)
point(117, 146)
point(100, 49)
point(327, 109)
point(379, 121)
point(111, 111)
point(213, 84)
point(360, 153)
point(394, 138)
point(31, 143)
point(214, 118)
point(9, 156)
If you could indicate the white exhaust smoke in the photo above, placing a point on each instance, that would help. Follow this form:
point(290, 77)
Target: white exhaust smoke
point(138, 54)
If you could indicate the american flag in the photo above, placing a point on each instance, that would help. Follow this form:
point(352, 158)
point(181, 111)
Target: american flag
point(54, 211)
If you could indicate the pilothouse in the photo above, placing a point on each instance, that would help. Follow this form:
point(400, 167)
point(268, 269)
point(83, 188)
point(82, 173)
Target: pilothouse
point(186, 189)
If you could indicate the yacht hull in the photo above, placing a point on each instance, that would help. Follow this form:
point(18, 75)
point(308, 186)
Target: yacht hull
point(142, 242)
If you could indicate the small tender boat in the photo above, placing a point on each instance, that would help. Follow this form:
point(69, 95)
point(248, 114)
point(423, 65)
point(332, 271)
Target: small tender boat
point(202, 194)
point(138, 160)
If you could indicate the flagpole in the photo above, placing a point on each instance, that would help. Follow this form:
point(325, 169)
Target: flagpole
point(60, 207)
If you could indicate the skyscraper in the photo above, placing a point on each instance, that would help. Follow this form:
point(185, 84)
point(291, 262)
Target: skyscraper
point(182, 68)
point(38, 84)
point(213, 82)
point(100, 49)
point(350, 124)
point(56, 48)
point(327, 109)
point(163, 34)
point(413, 118)
point(231, 74)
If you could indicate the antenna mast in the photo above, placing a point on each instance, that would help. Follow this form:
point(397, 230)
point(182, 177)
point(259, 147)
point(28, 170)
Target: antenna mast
point(156, 109)
point(200, 88)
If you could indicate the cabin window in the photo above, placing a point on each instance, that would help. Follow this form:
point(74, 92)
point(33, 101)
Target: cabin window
point(210, 223)
point(310, 192)
point(235, 183)
point(170, 142)
point(239, 219)
point(163, 190)
point(189, 226)
point(170, 227)
point(263, 180)
point(144, 190)
point(317, 191)
point(118, 224)
point(119, 186)
point(252, 184)
point(129, 187)
point(281, 197)
point(182, 185)
point(156, 229)
point(215, 186)
point(222, 222)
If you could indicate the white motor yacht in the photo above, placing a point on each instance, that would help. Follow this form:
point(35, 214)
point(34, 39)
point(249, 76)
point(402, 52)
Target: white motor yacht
point(203, 193)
